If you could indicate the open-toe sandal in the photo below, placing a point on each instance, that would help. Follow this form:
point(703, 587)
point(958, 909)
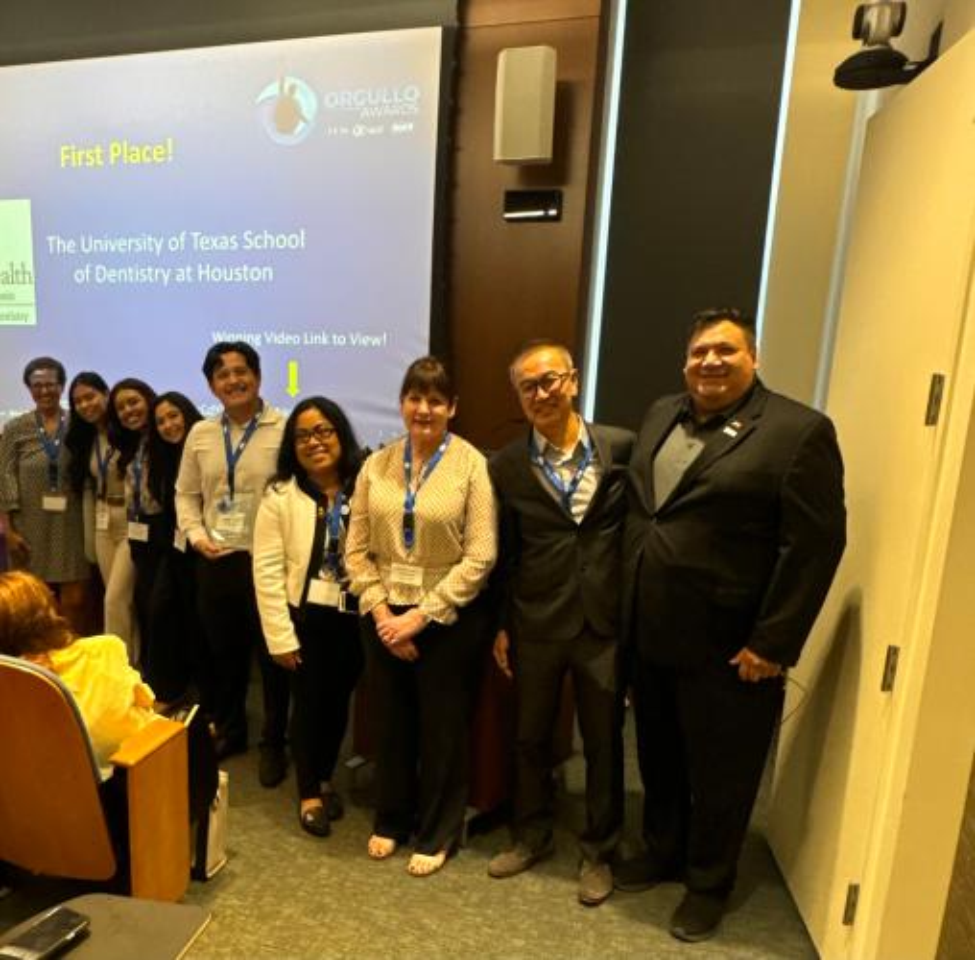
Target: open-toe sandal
point(426, 864)
point(381, 848)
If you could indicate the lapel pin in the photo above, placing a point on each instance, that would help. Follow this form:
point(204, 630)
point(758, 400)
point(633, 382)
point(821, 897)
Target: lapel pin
point(732, 428)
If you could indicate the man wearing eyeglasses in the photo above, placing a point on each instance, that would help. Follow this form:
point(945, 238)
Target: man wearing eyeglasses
point(561, 492)
point(225, 466)
point(735, 529)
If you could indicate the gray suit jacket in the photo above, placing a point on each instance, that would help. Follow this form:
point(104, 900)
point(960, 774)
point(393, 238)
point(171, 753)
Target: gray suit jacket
point(555, 576)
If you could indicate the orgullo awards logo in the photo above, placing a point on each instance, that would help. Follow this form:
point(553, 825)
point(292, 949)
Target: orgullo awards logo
point(287, 108)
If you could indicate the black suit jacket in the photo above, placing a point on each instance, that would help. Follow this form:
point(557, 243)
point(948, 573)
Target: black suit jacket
point(743, 551)
point(555, 576)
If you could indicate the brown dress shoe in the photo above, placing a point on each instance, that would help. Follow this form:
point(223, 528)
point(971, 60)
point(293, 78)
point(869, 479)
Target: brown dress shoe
point(519, 858)
point(595, 883)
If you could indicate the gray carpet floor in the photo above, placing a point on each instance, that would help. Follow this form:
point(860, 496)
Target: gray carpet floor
point(285, 894)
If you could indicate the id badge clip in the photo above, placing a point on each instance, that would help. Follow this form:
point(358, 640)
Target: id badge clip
point(139, 532)
point(324, 593)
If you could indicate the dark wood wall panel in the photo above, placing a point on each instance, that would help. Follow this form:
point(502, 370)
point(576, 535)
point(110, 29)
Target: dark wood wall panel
point(509, 282)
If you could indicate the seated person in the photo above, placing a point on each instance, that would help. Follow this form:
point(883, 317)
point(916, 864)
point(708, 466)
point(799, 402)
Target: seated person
point(110, 695)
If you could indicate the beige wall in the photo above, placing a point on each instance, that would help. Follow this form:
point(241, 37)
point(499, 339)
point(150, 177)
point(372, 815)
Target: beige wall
point(931, 717)
point(819, 128)
point(823, 127)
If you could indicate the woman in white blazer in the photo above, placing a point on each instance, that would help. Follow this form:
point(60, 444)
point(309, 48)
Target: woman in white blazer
point(307, 615)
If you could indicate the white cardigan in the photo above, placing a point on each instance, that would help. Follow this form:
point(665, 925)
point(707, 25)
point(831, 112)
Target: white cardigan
point(284, 532)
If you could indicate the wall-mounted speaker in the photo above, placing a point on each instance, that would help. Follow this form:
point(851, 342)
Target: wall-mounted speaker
point(524, 105)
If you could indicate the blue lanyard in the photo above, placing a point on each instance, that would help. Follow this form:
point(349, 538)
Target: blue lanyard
point(52, 449)
point(138, 464)
point(332, 556)
point(102, 463)
point(233, 455)
point(409, 501)
point(565, 491)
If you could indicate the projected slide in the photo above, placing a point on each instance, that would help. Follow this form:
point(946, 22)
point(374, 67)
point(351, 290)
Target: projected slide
point(279, 193)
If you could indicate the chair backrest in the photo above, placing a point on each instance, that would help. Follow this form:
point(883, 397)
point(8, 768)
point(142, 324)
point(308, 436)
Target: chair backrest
point(52, 820)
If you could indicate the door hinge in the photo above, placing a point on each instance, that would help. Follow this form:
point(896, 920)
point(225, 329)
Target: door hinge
point(890, 669)
point(850, 908)
point(936, 392)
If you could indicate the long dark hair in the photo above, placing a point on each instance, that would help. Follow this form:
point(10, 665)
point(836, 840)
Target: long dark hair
point(80, 435)
point(164, 456)
point(349, 460)
point(124, 440)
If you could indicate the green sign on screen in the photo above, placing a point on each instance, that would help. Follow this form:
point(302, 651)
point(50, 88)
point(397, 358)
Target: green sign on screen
point(18, 305)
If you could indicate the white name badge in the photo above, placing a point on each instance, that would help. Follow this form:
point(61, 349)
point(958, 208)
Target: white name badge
point(179, 541)
point(101, 515)
point(138, 531)
point(324, 593)
point(54, 502)
point(406, 575)
point(231, 522)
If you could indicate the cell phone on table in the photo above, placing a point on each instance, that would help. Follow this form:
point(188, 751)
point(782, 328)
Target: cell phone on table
point(49, 935)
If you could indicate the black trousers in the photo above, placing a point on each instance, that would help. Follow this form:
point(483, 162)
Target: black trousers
point(147, 557)
point(177, 658)
point(331, 663)
point(232, 627)
point(703, 736)
point(540, 669)
point(423, 712)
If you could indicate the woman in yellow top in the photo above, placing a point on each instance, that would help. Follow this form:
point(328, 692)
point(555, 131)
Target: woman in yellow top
point(421, 543)
point(112, 699)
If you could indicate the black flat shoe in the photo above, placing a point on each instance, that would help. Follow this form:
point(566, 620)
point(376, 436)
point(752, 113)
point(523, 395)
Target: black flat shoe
point(273, 766)
point(698, 916)
point(315, 821)
point(640, 873)
point(334, 807)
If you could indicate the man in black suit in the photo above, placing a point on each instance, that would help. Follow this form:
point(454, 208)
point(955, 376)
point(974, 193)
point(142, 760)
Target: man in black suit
point(735, 529)
point(562, 496)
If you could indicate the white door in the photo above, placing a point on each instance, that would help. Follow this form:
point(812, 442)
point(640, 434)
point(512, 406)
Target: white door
point(900, 322)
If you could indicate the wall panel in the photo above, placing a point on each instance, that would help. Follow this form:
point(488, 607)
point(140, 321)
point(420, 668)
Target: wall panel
point(510, 282)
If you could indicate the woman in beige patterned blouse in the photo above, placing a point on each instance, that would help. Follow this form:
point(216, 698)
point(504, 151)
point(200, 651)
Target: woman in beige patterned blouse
point(421, 543)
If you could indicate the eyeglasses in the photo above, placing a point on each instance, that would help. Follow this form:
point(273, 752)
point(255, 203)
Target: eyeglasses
point(321, 433)
point(549, 383)
point(38, 386)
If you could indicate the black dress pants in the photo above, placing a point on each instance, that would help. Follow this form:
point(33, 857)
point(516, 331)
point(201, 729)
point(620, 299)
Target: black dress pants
point(331, 662)
point(540, 669)
point(703, 736)
point(178, 655)
point(423, 711)
point(232, 627)
point(147, 557)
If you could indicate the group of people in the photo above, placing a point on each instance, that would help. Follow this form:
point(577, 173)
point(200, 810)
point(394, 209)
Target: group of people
point(686, 564)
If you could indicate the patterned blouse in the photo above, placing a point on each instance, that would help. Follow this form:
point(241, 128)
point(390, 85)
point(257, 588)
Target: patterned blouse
point(455, 533)
point(56, 539)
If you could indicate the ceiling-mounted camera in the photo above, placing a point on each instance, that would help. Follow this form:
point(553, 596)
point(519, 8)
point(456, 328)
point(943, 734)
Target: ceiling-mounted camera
point(880, 65)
